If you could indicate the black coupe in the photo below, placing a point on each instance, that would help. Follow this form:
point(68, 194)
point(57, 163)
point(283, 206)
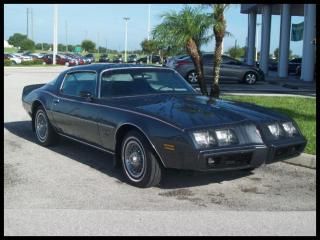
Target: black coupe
point(150, 119)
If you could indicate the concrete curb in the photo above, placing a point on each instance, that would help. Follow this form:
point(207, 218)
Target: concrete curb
point(303, 160)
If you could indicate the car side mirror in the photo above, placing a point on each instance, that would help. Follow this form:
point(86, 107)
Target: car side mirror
point(87, 95)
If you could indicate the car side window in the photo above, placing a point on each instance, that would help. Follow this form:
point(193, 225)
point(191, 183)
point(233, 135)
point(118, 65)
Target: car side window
point(77, 82)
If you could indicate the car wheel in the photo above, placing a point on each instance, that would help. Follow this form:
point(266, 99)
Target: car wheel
point(250, 78)
point(139, 163)
point(192, 77)
point(45, 134)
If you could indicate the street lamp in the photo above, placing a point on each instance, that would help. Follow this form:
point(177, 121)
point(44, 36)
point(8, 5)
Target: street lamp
point(126, 39)
point(55, 33)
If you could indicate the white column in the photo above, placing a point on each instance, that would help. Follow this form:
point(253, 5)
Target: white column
point(308, 55)
point(251, 37)
point(265, 38)
point(284, 44)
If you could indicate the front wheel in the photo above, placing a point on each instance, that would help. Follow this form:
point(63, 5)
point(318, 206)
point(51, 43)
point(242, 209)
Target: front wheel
point(139, 163)
point(192, 77)
point(250, 78)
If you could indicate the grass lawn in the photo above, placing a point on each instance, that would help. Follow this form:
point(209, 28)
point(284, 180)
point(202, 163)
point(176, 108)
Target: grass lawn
point(302, 110)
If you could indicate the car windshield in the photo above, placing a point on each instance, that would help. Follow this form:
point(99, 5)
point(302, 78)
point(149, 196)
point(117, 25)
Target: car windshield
point(142, 81)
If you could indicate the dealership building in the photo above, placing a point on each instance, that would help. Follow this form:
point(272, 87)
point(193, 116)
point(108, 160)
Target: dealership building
point(285, 11)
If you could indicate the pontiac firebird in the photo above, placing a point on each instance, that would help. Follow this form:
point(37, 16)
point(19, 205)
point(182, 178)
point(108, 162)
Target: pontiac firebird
point(151, 119)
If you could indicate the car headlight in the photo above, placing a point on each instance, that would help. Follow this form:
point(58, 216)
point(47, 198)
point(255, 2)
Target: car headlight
point(226, 137)
point(289, 128)
point(275, 130)
point(204, 139)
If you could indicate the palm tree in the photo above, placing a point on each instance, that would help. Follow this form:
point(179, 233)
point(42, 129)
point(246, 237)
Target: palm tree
point(188, 29)
point(219, 30)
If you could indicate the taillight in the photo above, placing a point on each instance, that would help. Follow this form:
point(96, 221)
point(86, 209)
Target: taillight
point(180, 63)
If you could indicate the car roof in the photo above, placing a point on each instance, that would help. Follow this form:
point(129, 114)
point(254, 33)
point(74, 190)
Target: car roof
point(103, 66)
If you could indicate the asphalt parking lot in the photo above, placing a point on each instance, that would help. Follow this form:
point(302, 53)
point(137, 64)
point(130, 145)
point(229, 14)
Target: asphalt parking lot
point(72, 189)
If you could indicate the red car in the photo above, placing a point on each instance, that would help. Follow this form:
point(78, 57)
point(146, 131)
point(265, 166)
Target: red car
point(60, 59)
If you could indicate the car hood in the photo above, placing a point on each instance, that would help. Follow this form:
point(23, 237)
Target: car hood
point(196, 111)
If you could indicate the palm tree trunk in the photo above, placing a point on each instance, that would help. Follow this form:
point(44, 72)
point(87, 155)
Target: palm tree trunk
point(194, 52)
point(215, 89)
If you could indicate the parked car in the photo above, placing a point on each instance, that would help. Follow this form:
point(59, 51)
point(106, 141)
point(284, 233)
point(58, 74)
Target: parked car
point(150, 118)
point(272, 65)
point(13, 58)
point(132, 58)
point(231, 70)
point(60, 59)
point(104, 58)
point(23, 57)
point(91, 57)
point(155, 59)
point(294, 65)
point(117, 59)
point(172, 61)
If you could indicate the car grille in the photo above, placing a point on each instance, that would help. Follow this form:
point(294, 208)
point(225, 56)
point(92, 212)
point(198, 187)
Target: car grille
point(229, 160)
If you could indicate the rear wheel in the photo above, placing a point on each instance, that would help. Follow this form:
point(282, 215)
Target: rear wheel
point(139, 162)
point(250, 78)
point(192, 77)
point(45, 134)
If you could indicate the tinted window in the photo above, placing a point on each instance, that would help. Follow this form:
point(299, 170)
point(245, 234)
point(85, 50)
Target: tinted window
point(132, 82)
point(76, 82)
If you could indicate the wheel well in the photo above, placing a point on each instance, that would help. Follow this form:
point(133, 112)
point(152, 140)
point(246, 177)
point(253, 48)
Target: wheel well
point(122, 131)
point(35, 105)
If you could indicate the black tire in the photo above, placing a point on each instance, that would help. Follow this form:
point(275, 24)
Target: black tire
point(50, 137)
point(151, 170)
point(192, 77)
point(250, 78)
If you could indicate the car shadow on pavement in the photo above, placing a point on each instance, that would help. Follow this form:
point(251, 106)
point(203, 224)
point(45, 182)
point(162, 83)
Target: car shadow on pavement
point(103, 161)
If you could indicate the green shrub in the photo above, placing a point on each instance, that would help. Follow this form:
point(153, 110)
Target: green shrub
point(33, 62)
point(7, 62)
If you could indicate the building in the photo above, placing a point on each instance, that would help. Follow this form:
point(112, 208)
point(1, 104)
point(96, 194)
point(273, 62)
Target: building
point(7, 45)
point(285, 11)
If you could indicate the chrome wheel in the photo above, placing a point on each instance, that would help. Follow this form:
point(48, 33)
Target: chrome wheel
point(41, 126)
point(251, 78)
point(192, 77)
point(133, 158)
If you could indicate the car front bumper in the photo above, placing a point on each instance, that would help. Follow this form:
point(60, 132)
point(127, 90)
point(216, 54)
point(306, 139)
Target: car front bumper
point(242, 157)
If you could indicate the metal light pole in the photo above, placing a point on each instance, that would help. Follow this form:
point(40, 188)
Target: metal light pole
point(66, 36)
point(27, 22)
point(149, 7)
point(55, 33)
point(126, 39)
point(257, 41)
point(31, 24)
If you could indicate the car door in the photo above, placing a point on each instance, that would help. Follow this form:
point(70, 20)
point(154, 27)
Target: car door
point(208, 66)
point(74, 111)
point(230, 69)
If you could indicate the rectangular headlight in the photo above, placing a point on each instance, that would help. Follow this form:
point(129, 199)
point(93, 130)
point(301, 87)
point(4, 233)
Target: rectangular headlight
point(226, 137)
point(289, 128)
point(204, 139)
point(275, 130)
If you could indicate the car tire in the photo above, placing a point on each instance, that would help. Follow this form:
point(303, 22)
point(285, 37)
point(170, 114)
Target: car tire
point(250, 78)
point(139, 162)
point(192, 77)
point(45, 134)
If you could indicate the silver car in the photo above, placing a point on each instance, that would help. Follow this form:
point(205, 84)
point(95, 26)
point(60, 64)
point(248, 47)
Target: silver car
point(231, 70)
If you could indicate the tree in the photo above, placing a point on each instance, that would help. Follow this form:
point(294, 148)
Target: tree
point(219, 30)
point(276, 54)
point(236, 52)
point(27, 45)
point(61, 47)
point(88, 45)
point(17, 39)
point(187, 29)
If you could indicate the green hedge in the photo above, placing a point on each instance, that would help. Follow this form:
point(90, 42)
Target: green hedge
point(7, 62)
point(33, 62)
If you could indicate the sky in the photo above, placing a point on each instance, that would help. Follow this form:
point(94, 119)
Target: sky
point(104, 24)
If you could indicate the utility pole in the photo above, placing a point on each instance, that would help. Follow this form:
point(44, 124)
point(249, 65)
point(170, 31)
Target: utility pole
point(126, 39)
point(98, 43)
point(31, 12)
point(27, 22)
point(106, 46)
point(66, 36)
point(257, 41)
point(149, 8)
point(55, 32)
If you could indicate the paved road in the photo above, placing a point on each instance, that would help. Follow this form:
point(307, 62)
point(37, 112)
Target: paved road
point(71, 189)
